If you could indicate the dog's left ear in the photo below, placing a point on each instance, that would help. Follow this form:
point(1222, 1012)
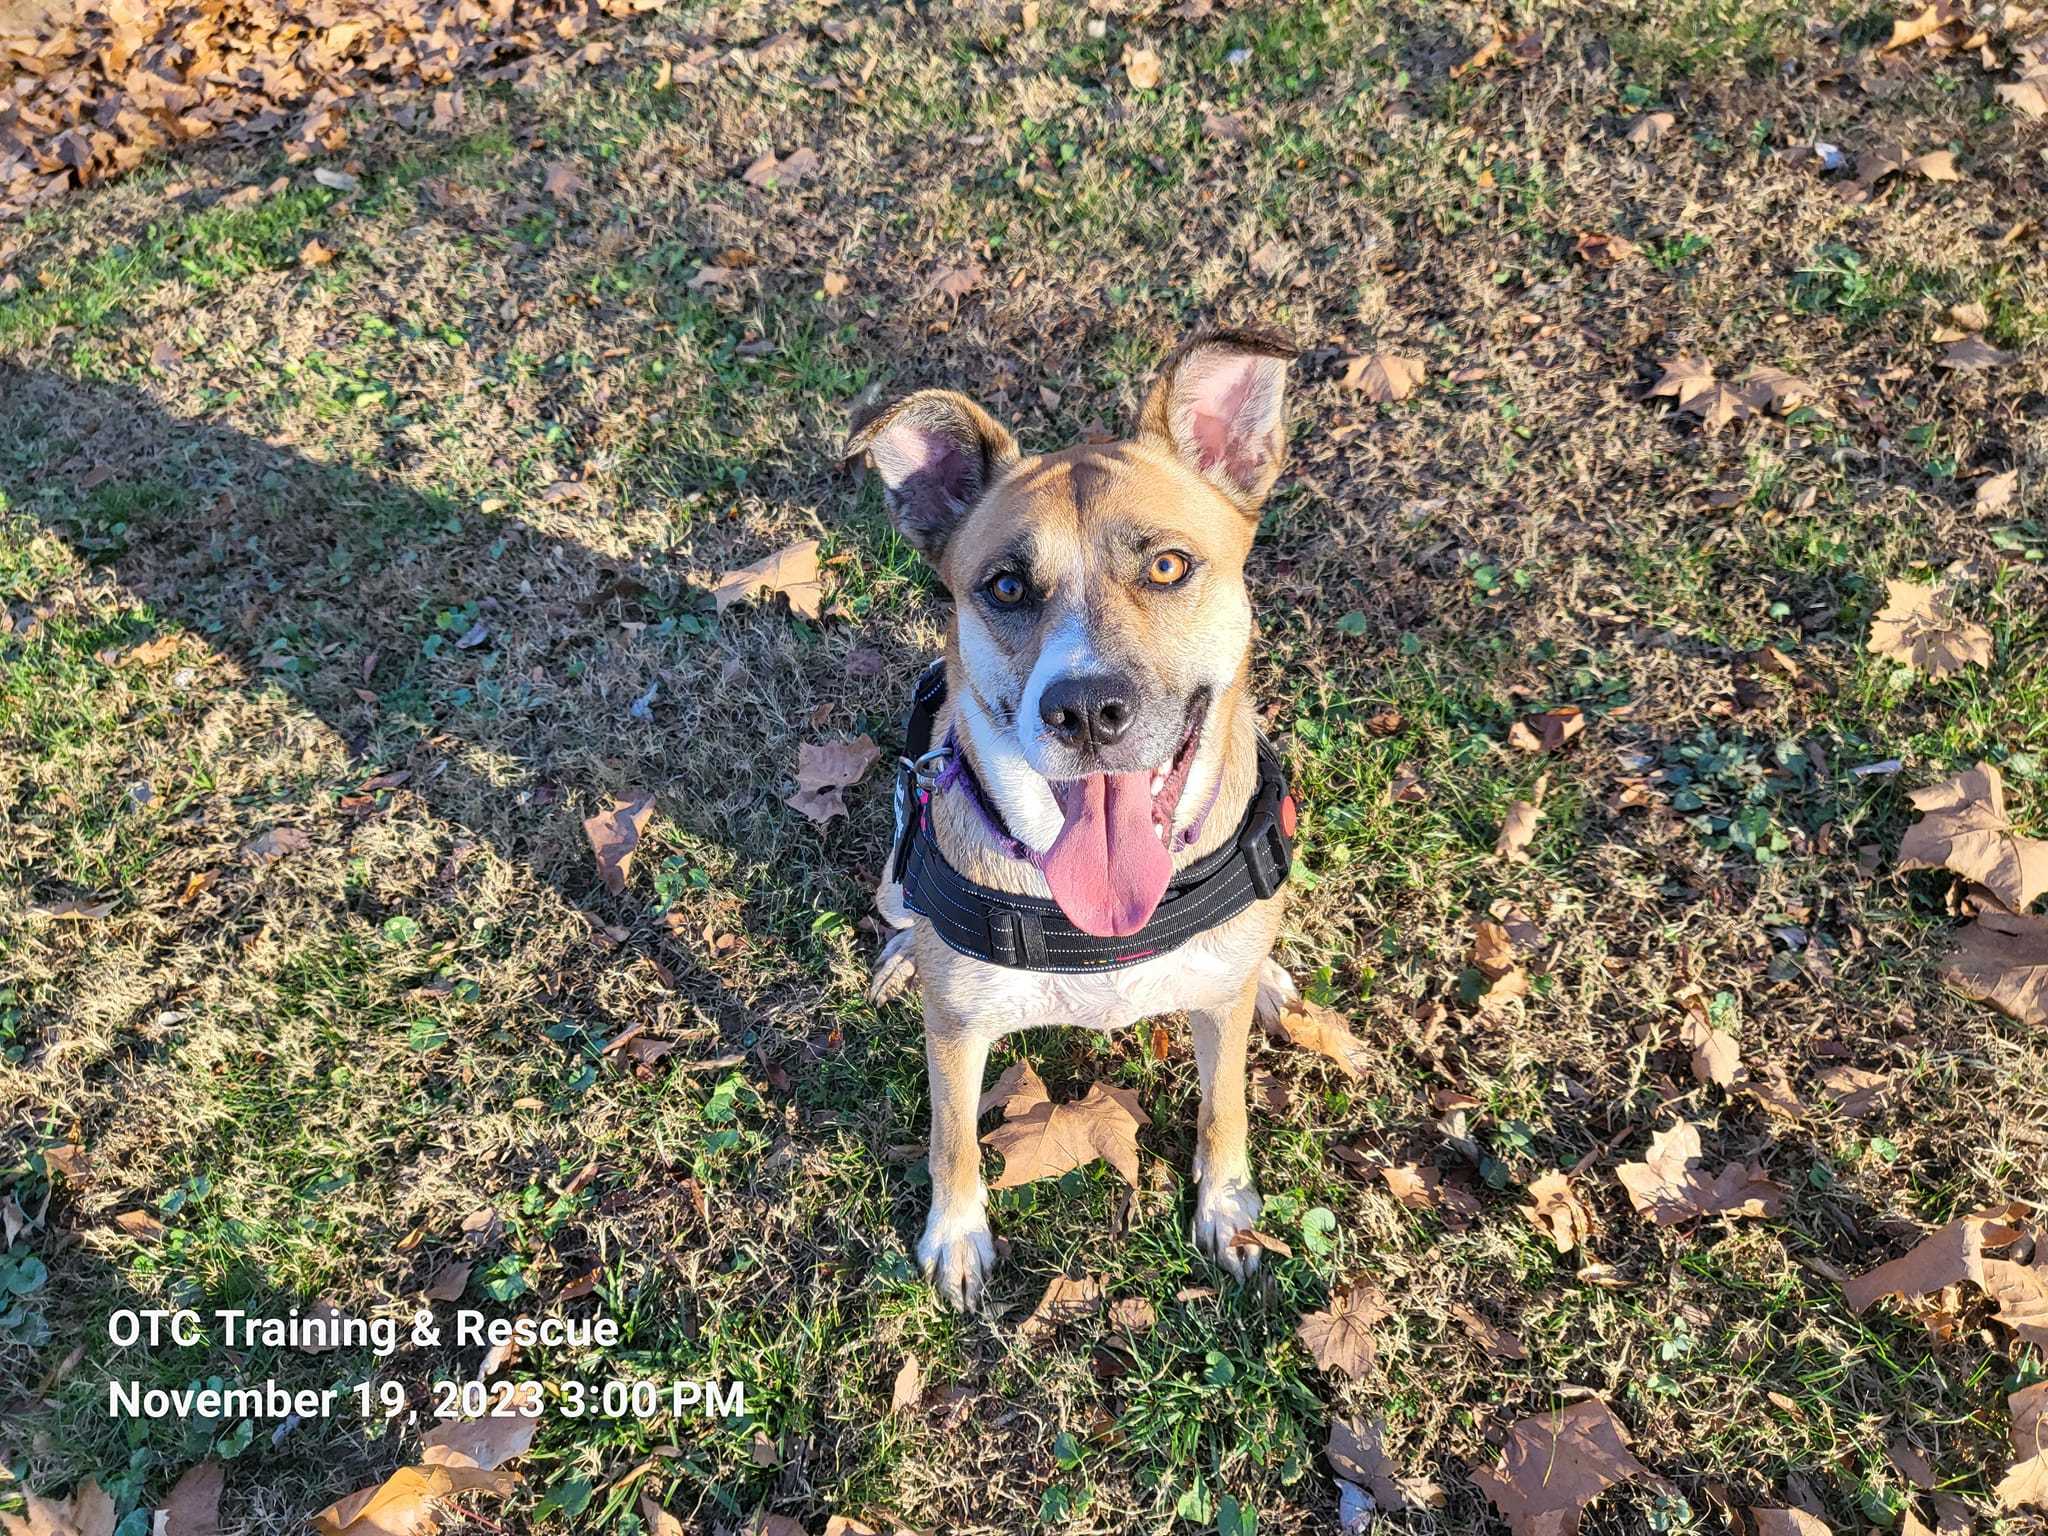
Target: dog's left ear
point(1221, 405)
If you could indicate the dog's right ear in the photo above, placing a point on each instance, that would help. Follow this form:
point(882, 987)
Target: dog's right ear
point(936, 452)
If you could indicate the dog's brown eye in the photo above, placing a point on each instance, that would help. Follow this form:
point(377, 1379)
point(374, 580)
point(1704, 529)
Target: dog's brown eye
point(1168, 569)
point(1007, 589)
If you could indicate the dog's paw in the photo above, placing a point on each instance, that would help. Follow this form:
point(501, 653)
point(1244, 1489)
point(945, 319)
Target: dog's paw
point(1277, 993)
point(957, 1256)
point(895, 969)
point(1224, 1208)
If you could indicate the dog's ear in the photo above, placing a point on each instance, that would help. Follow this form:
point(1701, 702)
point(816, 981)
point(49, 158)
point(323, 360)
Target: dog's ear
point(1221, 405)
point(936, 452)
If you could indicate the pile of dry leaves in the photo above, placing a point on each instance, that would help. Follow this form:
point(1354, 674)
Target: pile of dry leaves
point(88, 97)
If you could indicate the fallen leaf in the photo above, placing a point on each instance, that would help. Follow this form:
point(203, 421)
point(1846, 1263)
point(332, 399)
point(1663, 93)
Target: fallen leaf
point(1604, 250)
point(1048, 1139)
point(797, 166)
point(1855, 1092)
point(1518, 827)
point(1649, 127)
point(1964, 827)
point(659, 1522)
point(1948, 1257)
point(1406, 787)
point(1065, 1301)
point(88, 1512)
point(2026, 1481)
point(1133, 1312)
point(1383, 377)
point(449, 1281)
point(197, 885)
point(1495, 1340)
point(68, 1159)
point(1716, 1057)
point(1312, 1027)
point(1922, 23)
point(1558, 1213)
point(1482, 55)
point(409, 1501)
point(956, 283)
point(791, 571)
point(909, 1385)
point(2021, 1291)
point(314, 254)
point(1557, 1464)
point(487, 1443)
point(73, 910)
point(1684, 379)
point(562, 183)
point(1016, 1092)
point(2029, 97)
point(2002, 959)
point(140, 1224)
point(1918, 626)
point(1424, 1189)
point(1771, 1521)
point(275, 844)
point(1339, 1338)
point(835, 283)
point(1357, 1453)
point(1935, 165)
point(1995, 492)
point(1141, 67)
point(1974, 352)
point(193, 1507)
point(1765, 388)
point(615, 836)
point(1669, 1187)
point(1548, 731)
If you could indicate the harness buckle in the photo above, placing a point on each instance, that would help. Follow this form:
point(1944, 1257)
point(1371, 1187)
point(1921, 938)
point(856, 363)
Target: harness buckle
point(1263, 841)
point(929, 767)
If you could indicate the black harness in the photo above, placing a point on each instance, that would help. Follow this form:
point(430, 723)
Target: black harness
point(1030, 933)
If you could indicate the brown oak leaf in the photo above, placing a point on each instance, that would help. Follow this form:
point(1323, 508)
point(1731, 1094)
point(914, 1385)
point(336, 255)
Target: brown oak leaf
point(1048, 1139)
point(1964, 827)
point(1919, 626)
point(1557, 1464)
point(1339, 1338)
point(2002, 959)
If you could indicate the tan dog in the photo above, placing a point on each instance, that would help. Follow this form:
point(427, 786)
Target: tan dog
point(1097, 686)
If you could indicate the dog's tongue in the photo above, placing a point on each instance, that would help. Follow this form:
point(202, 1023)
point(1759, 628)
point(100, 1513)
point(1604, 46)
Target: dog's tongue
point(1107, 868)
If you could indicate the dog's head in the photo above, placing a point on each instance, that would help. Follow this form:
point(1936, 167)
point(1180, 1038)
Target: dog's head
point(1100, 611)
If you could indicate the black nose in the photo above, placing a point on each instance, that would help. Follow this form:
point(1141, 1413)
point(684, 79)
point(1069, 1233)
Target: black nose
point(1087, 713)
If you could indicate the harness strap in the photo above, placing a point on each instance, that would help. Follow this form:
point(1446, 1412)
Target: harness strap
point(1030, 932)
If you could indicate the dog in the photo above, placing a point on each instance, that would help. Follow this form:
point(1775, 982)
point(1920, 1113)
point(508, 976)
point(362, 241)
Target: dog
point(1100, 746)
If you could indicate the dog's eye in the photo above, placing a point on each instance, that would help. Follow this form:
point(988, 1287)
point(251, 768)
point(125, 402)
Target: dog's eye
point(1169, 568)
point(1007, 588)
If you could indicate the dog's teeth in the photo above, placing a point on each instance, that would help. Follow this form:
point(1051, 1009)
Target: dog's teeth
point(1160, 828)
point(1158, 781)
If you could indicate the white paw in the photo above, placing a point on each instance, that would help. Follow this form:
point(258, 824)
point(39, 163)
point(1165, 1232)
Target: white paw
point(957, 1253)
point(895, 968)
point(1276, 991)
point(1224, 1208)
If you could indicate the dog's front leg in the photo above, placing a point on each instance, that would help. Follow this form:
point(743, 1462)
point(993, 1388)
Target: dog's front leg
point(1226, 1199)
point(956, 1251)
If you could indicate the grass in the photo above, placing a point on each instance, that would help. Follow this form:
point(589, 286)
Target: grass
point(500, 411)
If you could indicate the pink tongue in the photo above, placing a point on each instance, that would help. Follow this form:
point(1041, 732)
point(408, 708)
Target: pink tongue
point(1107, 868)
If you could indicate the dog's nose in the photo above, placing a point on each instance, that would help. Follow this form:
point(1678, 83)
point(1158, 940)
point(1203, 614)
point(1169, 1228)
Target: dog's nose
point(1087, 713)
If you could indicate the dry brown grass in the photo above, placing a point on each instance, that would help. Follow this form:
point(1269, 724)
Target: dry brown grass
point(308, 479)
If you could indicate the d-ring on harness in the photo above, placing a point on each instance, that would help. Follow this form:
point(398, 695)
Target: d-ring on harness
point(1030, 933)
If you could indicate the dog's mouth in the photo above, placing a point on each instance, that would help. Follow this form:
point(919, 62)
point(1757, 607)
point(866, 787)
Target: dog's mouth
point(1113, 858)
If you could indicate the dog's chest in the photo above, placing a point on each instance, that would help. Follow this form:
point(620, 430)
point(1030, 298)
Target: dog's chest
point(1207, 972)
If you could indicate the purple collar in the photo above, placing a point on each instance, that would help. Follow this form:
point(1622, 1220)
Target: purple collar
point(958, 773)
